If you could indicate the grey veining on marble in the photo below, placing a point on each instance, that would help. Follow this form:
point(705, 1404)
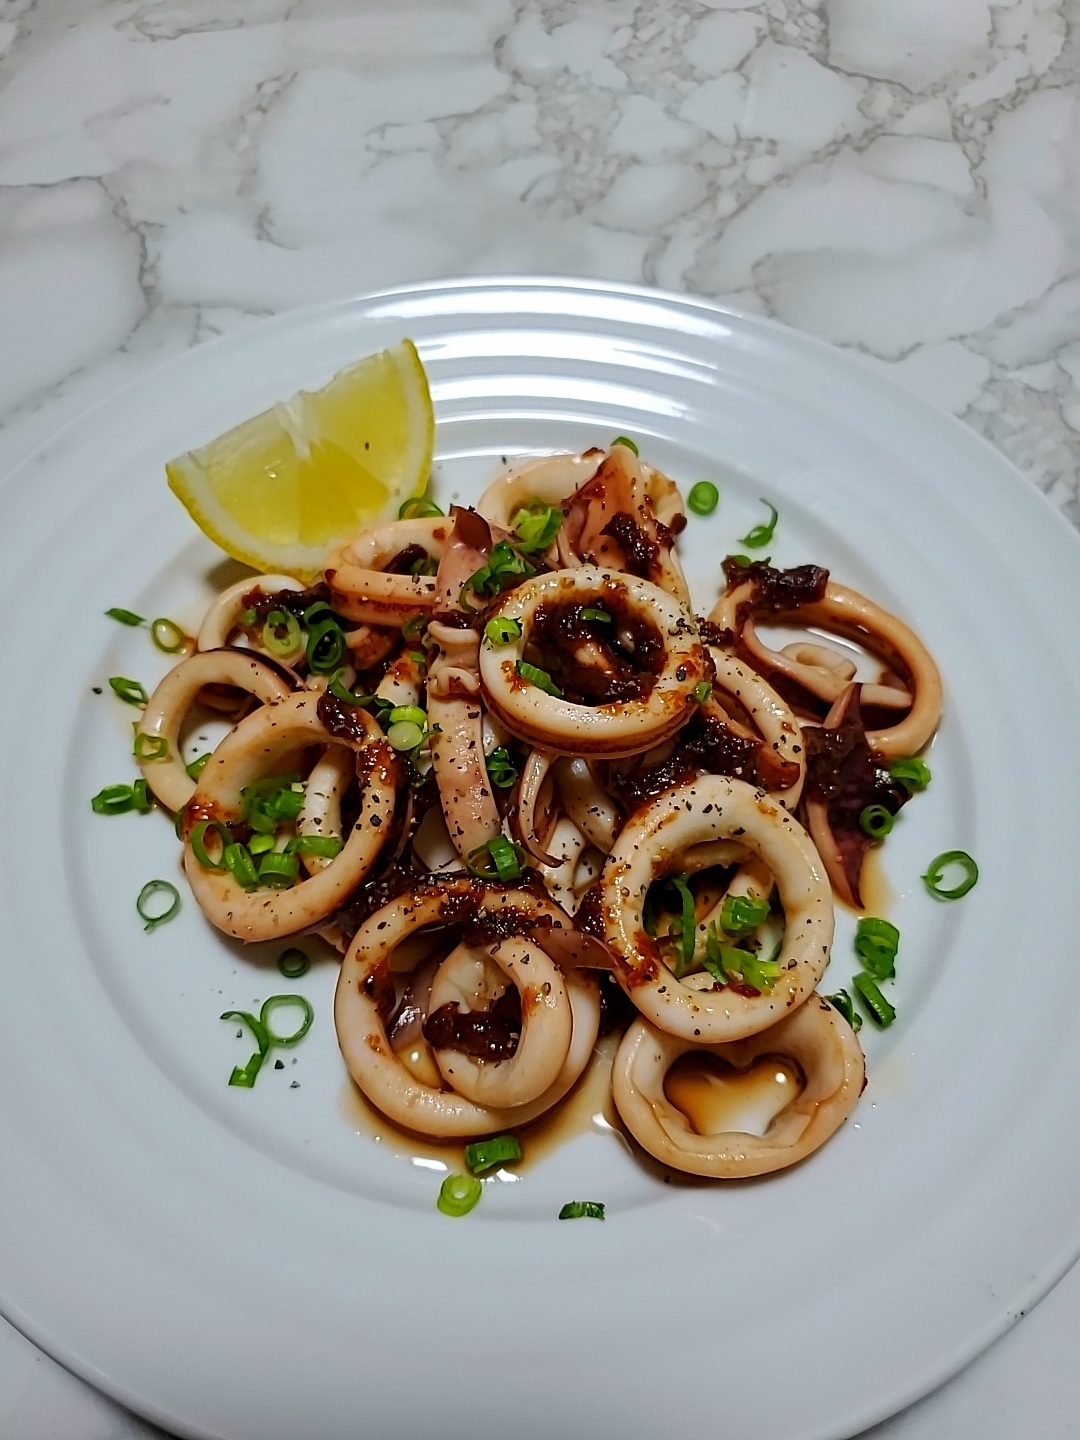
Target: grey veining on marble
point(899, 176)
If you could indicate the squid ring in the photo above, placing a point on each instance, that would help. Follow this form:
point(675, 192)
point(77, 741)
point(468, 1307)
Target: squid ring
point(260, 742)
point(363, 591)
point(169, 704)
point(361, 1030)
point(551, 478)
point(600, 731)
point(816, 1037)
point(708, 809)
point(224, 614)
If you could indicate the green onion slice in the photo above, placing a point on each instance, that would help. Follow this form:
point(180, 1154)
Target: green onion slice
point(246, 1075)
point(876, 821)
point(197, 766)
point(458, 1194)
point(502, 631)
point(589, 613)
point(945, 861)
point(141, 799)
point(843, 1002)
point(341, 691)
point(149, 912)
point(404, 736)
point(126, 617)
point(760, 535)
point(293, 963)
point(703, 498)
point(740, 914)
point(167, 635)
point(540, 678)
point(240, 865)
point(497, 860)
point(881, 1012)
point(702, 691)
point(414, 628)
point(683, 929)
point(281, 644)
point(582, 1210)
point(724, 962)
point(418, 508)
point(197, 841)
point(503, 567)
point(260, 843)
point(500, 768)
point(876, 944)
point(625, 440)
point(275, 1002)
point(412, 713)
point(278, 869)
point(912, 771)
point(326, 640)
point(325, 845)
point(112, 800)
point(151, 747)
point(536, 524)
point(486, 1154)
point(130, 691)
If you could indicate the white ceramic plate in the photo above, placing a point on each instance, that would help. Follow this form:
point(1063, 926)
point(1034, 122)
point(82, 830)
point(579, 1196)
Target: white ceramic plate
point(245, 1264)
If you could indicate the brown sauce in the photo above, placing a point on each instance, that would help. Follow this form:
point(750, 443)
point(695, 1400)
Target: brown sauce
point(716, 1098)
point(596, 662)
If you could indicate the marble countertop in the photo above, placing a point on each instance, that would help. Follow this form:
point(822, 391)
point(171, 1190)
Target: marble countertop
point(899, 176)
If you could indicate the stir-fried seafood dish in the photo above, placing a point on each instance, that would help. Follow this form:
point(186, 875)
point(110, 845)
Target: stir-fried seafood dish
point(497, 761)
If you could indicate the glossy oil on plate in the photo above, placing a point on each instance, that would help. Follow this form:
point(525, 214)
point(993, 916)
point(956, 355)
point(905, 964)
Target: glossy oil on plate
point(253, 1263)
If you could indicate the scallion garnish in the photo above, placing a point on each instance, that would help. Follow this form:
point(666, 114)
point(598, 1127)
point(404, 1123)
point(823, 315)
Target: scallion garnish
point(497, 860)
point(341, 691)
point(740, 914)
point(281, 633)
point(486, 1154)
point(325, 639)
point(278, 869)
point(418, 508)
point(683, 928)
point(500, 768)
point(113, 800)
point(246, 1075)
point(259, 844)
point(414, 628)
point(703, 497)
point(582, 1210)
point(130, 691)
point(266, 804)
point(702, 691)
point(141, 799)
point(326, 846)
point(502, 631)
point(760, 535)
point(151, 747)
point(411, 713)
point(945, 861)
point(876, 821)
point(197, 841)
point(148, 912)
point(195, 768)
point(625, 440)
point(876, 944)
point(843, 1002)
point(405, 735)
point(504, 566)
point(725, 962)
point(536, 524)
point(912, 772)
point(540, 678)
point(126, 617)
point(240, 865)
point(293, 963)
point(881, 1012)
point(458, 1194)
point(167, 635)
point(588, 612)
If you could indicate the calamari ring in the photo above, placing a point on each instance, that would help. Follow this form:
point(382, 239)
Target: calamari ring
point(708, 809)
point(546, 1025)
point(362, 590)
point(169, 704)
point(253, 749)
point(773, 719)
point(223, 616)
point(551, 478)
point(816, 1037)
point(601, 731)
point(852, 615)
point(366, 1048)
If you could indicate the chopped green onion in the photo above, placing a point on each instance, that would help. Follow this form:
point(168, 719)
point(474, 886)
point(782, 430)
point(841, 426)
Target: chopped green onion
point(418, 508)
point(582, 1210)
point(278, 869)
point(248, 618)
point(326, 846)
point(912, 772)
point(408, 712)
point(246, 1075)
point(502, 631)
point(326, 640)
point(876, 944)
point(881, 1012)
point(703, 691)
point(843, 1002)
point(241, 866)
point(945, 861)
point(405, 735)
point(342, 692)
point(683, 929)
point(703, 498)
point(167, 635)
point(197, 766)
point(293, 963)
point(130, 691)
point(414, 628)
point(876, 821)
point(417, 657)
point(266, 803)
point(197, 841)
point(149, 892)
point(151, 747)
point(503, 567)
point(458, 1194)
point(426, 565)
point(281, 644)
point(500, 768)
point(625, 440)
point(259, 844)
point(740, 914)
point(724, 962)
point(589, 613)
point(113, 800)
point(141, 799)
point(486, 1154)
point(536, 525)
point(497, 860)
point(760, 535)
point(540, 678)
point(274, 1003)
point(126, 617)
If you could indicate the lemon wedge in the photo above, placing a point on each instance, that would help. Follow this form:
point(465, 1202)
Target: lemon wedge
point(281, 490)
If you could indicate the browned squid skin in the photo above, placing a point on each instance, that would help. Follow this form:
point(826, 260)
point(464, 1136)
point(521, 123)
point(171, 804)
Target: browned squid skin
point(457, 746)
